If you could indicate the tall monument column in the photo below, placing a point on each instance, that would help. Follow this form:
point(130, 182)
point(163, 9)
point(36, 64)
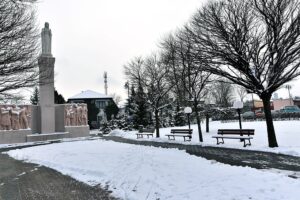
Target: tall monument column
point(46, 82)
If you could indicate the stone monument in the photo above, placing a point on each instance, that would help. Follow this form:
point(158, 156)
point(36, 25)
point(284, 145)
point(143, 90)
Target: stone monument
point(46, 82)
point(46, 121)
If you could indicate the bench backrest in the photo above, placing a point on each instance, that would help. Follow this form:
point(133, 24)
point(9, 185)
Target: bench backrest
point(236, 131)
point(181, 131)
point(147, 130)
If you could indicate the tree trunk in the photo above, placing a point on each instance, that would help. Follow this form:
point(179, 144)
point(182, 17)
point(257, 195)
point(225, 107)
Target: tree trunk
point(198, 120)
point(269, 120)
point(207, 123)
point(157, 123)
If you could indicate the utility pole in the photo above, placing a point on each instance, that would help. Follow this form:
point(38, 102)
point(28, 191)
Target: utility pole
point(288, 87)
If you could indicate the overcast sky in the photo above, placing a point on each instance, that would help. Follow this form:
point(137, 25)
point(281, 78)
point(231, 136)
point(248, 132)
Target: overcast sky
point(93, 36)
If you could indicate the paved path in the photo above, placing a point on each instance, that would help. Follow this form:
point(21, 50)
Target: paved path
point(25, 181)
point(237, 157)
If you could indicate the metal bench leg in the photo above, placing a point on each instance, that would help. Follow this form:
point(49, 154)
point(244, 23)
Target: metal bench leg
point(222, 142)
point(249, 143)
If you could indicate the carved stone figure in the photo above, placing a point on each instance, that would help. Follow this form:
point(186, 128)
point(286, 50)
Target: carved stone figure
point(79, 115)
point(72, 111)
point(76, 115)
point(67, 116)
point(15, 113)
point(6, 118)
point(23, 118)
point(84, 115)
point(46, 40)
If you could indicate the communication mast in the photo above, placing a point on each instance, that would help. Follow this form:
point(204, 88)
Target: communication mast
point(105, 82)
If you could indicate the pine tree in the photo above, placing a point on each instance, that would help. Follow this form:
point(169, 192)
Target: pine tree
point(111, 110)
point(180, 117)
point(141, 114)
point(34, 99)
point(58, 98)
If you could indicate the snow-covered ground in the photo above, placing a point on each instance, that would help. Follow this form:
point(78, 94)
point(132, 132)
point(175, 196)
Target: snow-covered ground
point(2, 146)
point(287, 132)
point(140, 172)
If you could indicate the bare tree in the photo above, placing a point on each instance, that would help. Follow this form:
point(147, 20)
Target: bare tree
point(241, 92)
point(18, 45)
point(157, 87)
point(188, 72)
point(222, 93)
point(253, 43)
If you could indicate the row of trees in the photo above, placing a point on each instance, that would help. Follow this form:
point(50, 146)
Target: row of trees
point(18, 45)
point(251, 43)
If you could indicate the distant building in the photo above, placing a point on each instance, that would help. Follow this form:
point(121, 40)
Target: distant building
point(281, 103)
point(259, 105)
point(96, 103)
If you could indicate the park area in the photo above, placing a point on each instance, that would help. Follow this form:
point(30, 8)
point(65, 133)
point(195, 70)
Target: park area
point(150, 172)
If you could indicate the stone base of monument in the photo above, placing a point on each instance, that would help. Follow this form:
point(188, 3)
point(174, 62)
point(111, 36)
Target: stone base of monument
point(14, 136)
point(78, 131)
point(25, 135)
point(48, 136)
point(70, 132)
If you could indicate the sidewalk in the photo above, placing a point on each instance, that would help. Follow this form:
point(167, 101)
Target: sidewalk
point(25, 181)
point(237, 157)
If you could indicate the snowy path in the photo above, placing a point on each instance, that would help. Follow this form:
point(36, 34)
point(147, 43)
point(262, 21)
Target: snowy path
point(138, 172)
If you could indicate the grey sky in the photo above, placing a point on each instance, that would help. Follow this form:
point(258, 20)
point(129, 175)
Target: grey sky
point(93, 36)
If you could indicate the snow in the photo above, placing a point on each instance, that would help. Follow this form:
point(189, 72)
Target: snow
point(89, 94)
point(140, 172)
point(3, 146)
point(287, 132)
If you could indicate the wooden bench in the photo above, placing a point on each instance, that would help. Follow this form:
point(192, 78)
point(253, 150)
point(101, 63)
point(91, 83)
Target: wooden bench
point(243, 135)
point(145, 132)
point(185, 133)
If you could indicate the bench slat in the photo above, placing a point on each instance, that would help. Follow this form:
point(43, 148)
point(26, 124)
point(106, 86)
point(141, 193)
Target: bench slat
point(236, 131)
point(232, 137)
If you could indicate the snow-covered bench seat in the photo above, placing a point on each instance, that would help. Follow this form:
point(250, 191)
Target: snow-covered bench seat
point(243, 135)
point(145, 132)
point(185, 133)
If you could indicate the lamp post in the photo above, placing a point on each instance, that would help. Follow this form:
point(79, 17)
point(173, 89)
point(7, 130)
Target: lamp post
point(188, 111)
point(238, 105)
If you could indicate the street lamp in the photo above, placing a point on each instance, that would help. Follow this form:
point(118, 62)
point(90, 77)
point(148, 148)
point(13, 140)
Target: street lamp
point(238, 105)
point(188, 111)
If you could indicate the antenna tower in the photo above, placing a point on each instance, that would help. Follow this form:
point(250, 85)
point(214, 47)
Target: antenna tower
point(105, 82)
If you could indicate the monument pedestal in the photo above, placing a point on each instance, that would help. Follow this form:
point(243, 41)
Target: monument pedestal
point(46, 67)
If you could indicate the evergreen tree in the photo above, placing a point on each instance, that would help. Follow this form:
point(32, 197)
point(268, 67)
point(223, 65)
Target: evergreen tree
point(58, 98)
point(34, 99)
point(141, 112)
point(180, 117)
point(131, 106)
point(111, 110)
